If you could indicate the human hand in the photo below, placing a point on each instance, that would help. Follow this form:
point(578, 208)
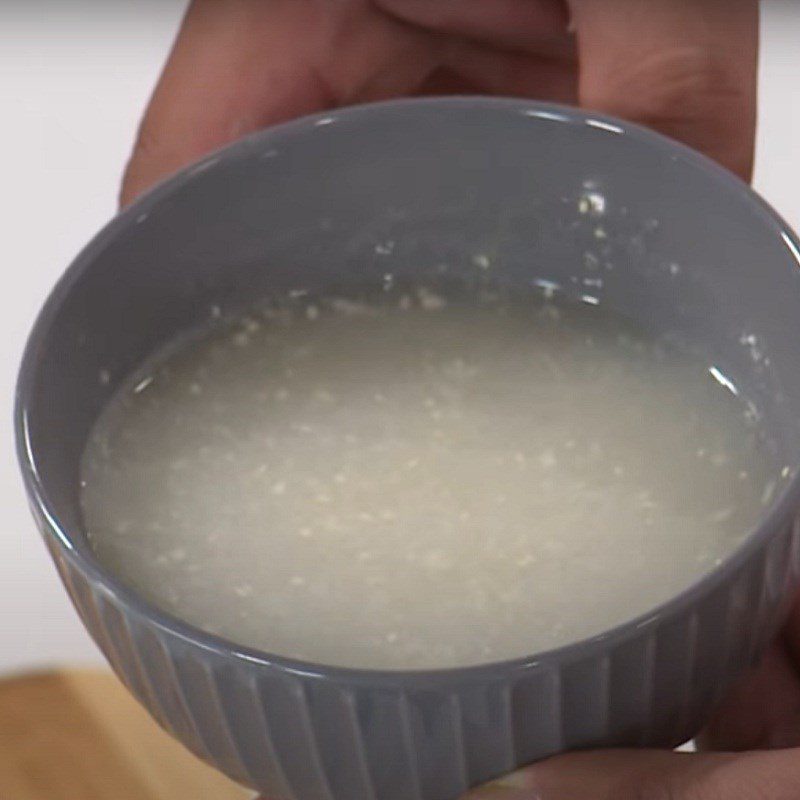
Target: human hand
point(684, 67)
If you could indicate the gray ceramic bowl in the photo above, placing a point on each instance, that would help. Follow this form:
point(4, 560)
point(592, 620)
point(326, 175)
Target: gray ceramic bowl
point(684, 247)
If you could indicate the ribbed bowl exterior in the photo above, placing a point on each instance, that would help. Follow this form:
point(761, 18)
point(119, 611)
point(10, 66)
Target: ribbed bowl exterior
point(305, 736)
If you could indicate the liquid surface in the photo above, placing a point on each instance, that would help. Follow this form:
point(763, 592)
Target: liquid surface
point(422, 485)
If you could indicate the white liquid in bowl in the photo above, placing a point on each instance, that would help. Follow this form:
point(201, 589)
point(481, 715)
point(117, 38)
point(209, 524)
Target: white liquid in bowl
point(422, 485)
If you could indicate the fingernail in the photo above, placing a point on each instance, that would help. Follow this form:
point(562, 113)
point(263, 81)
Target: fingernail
point(514, 786)
point(514, 780)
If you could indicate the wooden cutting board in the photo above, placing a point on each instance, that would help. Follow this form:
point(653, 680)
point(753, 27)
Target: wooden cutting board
point(79, 735)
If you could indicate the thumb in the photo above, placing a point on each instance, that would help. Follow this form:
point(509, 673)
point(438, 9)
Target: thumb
point(683, 67)
point(652, 775)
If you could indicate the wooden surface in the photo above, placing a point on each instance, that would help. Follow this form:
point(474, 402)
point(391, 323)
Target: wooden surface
point(79, 735)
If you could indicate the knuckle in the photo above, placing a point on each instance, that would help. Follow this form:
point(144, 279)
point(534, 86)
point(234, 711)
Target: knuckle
point(690, 94)
point(425, 14)
point(676, 84)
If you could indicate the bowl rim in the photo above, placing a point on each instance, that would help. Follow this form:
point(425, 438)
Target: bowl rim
point(79, 554)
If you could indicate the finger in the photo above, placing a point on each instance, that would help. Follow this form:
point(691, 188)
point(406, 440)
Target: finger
point(515, 73)
point(684, 67)
point(652, 775)
point(239, 65)
point(762, 710)
point(502, 23)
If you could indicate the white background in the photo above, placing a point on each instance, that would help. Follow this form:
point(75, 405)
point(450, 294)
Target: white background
point(74, 78)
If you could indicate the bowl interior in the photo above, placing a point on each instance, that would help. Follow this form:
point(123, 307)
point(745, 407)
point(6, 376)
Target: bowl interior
point(429, 191)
